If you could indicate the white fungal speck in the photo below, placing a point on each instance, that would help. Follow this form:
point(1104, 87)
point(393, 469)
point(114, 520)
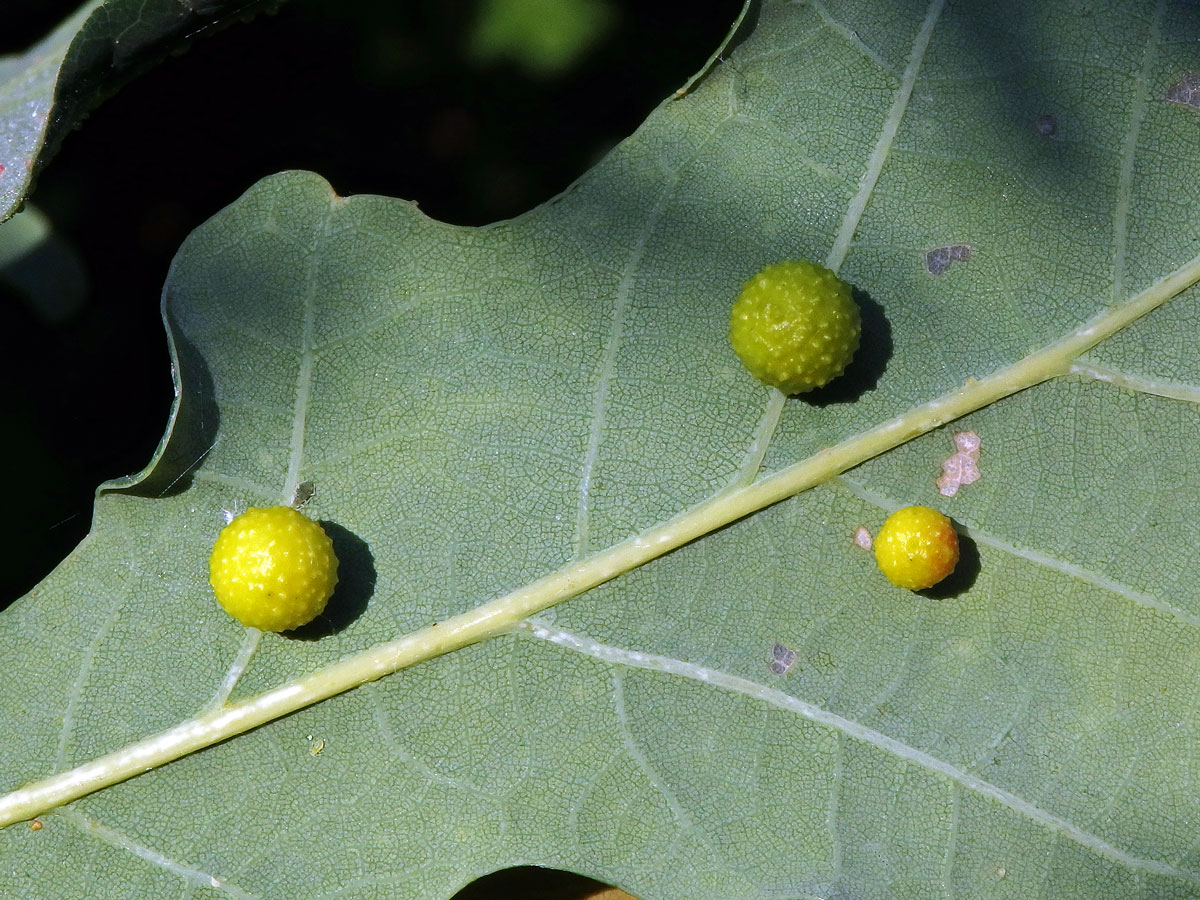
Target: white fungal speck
point(962, 466)
point(862, 538)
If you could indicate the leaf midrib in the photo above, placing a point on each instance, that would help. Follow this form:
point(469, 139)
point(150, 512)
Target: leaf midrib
point(506, 612)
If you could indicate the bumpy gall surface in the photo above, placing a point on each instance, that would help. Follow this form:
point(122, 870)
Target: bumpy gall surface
point(795, 326)
point(273, 568)
point(916, 547)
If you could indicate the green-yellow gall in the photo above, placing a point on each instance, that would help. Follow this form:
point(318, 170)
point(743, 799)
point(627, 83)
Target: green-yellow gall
point(916, 547)
point(795, 326)
point(273, 568)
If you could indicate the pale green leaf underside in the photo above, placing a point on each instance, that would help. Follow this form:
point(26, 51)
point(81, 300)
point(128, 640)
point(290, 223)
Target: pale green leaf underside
point(480, 406)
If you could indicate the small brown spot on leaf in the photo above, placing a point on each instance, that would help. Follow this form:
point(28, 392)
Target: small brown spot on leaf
point(782, 659)
point(938, 259)
point(962, 466)
point(35, 825)
point(1186, 91)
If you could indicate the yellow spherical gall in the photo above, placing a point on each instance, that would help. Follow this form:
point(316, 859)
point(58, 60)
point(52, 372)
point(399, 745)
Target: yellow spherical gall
point(916, 547)
point(795, 326)
point(273, 568)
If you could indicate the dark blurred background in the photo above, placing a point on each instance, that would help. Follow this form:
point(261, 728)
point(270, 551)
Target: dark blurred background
point(477, 109)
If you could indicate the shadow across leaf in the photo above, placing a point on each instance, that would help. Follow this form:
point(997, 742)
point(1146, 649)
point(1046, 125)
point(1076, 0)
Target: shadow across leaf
point(356, 585)
point(874, 350)
point(963, 577)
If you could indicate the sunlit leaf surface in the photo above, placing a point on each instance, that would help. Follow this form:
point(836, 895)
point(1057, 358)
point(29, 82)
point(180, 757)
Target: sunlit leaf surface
point(759, 714)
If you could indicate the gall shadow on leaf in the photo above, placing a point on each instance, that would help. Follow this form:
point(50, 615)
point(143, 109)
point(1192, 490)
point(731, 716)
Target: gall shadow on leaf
point(356, 585)
point(874, 351)
point(963, 577)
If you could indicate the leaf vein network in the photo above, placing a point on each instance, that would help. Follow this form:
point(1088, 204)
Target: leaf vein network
point(366, 329)
point(121, 841)
point(81, 679)
point(985, 74)
point(635, 753)
point(304, 377)
point(887, 136)
point(390, 740)
point(849, 35)
point(1170, 390)
point(1137, 112)
point(776, 402)
point(614, 340)
point(1059, 826)
point(239, 482)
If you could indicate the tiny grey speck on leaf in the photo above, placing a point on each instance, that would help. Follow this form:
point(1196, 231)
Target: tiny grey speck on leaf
point(1185, 91)
point(938, 259)
point(782, 659)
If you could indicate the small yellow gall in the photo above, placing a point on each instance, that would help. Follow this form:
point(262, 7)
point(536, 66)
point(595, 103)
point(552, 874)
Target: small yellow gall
point(273, 568)
point(795, 326)
point(916, 547)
